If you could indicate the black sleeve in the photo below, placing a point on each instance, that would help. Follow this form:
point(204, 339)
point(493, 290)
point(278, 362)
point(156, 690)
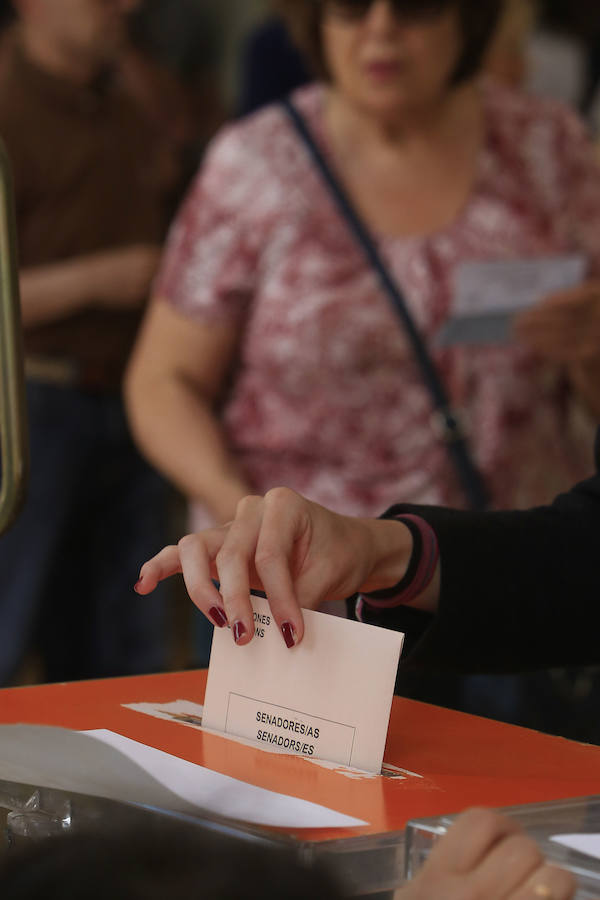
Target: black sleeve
point(519, 590)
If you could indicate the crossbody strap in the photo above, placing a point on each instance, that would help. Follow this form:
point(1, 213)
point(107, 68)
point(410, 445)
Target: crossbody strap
point(448, 421)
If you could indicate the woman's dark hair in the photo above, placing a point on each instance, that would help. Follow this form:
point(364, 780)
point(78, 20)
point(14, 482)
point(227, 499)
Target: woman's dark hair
point(478, 19)
point(158, 862)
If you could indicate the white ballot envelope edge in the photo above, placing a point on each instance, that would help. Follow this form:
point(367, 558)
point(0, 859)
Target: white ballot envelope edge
point(488, 293)
point(327, 698)
point(102, 763)
point(510, 285)
point(584, 843)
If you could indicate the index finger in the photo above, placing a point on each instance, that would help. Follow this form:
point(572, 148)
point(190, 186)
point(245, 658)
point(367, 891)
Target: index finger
point(234, 562)
point(164, 564)
point(192, 557)
point(571, 296)
point(279, 531)
point(471, 837)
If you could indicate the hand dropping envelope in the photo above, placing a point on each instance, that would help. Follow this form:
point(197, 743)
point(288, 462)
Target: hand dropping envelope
point(327, 698)
point(488, 294)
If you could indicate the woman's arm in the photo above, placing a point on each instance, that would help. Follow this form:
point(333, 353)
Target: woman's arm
point(173, 381)
point(514, 590)
point(116, 279)
point(519, 589)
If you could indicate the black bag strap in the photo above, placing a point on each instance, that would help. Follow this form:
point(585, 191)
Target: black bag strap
point(448, 421)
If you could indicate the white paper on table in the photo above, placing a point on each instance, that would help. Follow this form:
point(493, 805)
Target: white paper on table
point(105, 764)
point(328, 698)
point(585, 843)
point(487, 294)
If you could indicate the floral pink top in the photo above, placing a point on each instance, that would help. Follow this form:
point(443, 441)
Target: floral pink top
point(326, 397)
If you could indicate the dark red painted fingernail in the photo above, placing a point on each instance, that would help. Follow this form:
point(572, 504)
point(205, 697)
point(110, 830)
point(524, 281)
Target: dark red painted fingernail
point(218, 616)
point(289, 634)
point(137, 586)
point(239, 630)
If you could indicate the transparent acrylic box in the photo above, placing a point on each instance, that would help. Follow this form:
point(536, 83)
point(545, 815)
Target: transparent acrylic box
point(580, 815)
point(366, 865)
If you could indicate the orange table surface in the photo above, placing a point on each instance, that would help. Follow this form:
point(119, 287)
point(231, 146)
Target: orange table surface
point(457, 760)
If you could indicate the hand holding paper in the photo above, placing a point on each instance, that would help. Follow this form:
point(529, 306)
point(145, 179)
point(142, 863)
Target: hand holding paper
point(489, 295)
point(329, 699)
point(565, 327)
point(299, 553)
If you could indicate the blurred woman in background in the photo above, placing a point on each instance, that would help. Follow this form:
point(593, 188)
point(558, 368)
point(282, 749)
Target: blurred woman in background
point(270, 355)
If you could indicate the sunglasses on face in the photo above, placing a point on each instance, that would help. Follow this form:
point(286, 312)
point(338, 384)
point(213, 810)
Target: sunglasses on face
point(406, 9)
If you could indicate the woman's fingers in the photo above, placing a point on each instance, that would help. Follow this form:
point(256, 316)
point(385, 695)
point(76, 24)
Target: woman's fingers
point(196, 553)
point(246, 552)
point(564, 327)
point(267, 543)
point(507, 867)
point(486, 856)
point(234, 562)
point(547, 883)
point(470, 839)
point(296, 551)
point(193, 557)
point(284, 527)
point(161, 566)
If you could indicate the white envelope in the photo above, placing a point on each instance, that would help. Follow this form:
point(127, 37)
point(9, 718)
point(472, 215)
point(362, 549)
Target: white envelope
point(328, 698)
point(102, 763)
point(584, 843)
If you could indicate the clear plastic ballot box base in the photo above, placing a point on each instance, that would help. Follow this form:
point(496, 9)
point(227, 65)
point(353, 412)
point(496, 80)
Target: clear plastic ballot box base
point(438, 762)
point(543, 822)
point(365, 866)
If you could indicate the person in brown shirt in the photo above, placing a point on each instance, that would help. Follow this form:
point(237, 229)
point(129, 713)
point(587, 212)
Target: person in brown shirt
point(92, 181)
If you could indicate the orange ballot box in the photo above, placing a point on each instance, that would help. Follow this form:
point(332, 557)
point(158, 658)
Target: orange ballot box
point(436, 761)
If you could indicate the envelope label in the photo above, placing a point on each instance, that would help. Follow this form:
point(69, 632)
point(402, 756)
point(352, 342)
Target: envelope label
point(288, 729)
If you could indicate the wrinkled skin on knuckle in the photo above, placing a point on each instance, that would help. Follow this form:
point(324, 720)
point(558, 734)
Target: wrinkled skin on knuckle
point(280, 497)
point(238, 601)
point(482, 820)
point(166, 551)
point(525, 850)
point(264, 558)
point(246, 504)
point(226, 554)
point(187, 542)
point(480, 829)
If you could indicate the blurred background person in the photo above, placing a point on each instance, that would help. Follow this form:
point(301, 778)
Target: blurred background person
point(93, 180)
point(173, 65)
point(218, 270)
point(507, 57)
point(272, 65)
point(564, 53)
point(548, 47)
point(270, 355)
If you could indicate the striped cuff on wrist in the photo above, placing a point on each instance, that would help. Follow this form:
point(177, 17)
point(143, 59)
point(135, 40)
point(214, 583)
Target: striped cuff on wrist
point(420, 571)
